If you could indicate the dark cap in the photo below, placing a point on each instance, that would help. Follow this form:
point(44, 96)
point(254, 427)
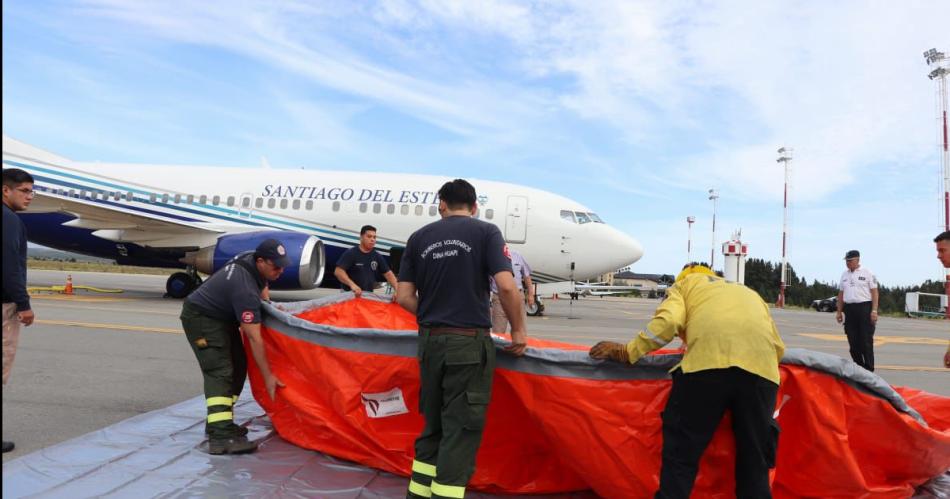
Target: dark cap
point(273, 250)
point(852, 254)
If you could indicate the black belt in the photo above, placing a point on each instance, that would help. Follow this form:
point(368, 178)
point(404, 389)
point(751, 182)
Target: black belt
point(460, 331)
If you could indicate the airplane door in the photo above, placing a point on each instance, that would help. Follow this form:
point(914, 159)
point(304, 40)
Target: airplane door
point(516, 221)
point(245, 205)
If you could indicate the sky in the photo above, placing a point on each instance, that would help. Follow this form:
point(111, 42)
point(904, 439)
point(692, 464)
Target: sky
point(633, 108)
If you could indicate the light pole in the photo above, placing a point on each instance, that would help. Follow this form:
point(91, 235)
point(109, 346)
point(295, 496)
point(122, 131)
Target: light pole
point(940, 64)
point(714, 197)
point(689, 238)
point(785, 157)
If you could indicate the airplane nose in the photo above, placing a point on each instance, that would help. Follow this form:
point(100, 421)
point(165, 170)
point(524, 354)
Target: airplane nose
point(626, 250)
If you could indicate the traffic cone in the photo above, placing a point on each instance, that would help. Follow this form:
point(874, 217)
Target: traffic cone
point(69, 285)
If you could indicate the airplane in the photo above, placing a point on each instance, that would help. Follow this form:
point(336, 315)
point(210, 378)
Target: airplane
point(197, 218)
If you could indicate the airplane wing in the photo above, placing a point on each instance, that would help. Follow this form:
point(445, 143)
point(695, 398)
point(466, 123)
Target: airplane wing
point(115, 223)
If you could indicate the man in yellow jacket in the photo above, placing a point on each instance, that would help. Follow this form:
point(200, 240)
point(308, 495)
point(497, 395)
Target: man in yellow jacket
point(731, 362)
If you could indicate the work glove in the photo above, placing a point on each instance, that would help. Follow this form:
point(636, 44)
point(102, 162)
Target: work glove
point(610, 350)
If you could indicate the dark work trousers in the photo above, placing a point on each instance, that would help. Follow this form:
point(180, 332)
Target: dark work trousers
point(220, 352)
point(860, 332)
point(456, 373)
point(697, 403)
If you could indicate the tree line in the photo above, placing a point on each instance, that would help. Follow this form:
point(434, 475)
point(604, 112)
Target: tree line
point(765, 277)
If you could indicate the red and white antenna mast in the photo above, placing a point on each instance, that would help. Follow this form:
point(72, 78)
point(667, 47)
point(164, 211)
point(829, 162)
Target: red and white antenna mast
point(785, 157)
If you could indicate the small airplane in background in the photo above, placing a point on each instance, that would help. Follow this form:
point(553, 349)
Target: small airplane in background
point(197, 218)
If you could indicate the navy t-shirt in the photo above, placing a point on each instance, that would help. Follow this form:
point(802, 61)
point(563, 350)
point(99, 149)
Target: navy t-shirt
point(450, 262)
point(365, 269)
point(232, 293)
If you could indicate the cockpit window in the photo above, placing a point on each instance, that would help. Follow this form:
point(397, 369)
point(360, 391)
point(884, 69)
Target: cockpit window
point(595, 218)
point(582, 218)
point(568, 216)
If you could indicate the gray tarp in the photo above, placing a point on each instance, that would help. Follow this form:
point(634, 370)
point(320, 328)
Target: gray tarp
point(159, 454)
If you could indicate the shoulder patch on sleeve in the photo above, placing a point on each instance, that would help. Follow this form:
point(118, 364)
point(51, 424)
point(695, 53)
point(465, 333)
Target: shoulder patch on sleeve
point(247, 317)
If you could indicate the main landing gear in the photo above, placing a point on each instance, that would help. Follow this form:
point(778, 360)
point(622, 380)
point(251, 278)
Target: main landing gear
point(181, 284)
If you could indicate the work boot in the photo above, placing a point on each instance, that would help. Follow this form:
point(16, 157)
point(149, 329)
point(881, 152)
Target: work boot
point(7, 446)
point(231, 445)
point(235, 429)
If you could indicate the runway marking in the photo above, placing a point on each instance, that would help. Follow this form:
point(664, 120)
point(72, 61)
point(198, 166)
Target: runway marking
point(914, 368)
point(79, 298)
point(117, 309)
point(881, 340)
point(118, 327)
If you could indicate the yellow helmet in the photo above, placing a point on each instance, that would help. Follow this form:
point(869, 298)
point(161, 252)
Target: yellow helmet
point(694, 269)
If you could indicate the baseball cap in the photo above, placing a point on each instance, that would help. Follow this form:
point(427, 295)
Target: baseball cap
point(852, 254)
point(273, 250)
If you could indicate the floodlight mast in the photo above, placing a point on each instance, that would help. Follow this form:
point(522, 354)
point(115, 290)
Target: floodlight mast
point(941, 68)
point(689, 238)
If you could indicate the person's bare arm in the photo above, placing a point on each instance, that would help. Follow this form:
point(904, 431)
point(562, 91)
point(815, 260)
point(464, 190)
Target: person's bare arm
point(874, 298)
point(529, 285)
point(840, 304)
point(406, 296)
point(254, 338)
point(391, 279)
point(512, 302)
point(341, 276)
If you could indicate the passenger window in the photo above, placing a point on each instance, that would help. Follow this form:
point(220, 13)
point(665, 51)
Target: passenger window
point(283, 204)
point(152, 197)
point(568, 216)
point(165, 197)
point(190, 199)
point(259, 203)
point(362, 207)
point(490, 213)
point(582, 218)
point(230, 200)
point(271, 203)
point(129, 196)
point(377, 208)
point(309, 204)
point(216, 200)
point(177, 198)
point(418, 210)
point(336, 206)
point(433, 211)
point(296, 204)
point(203, 199)
point(404, 209)
point(246, 203)
point(390, 209)
point(116, 195)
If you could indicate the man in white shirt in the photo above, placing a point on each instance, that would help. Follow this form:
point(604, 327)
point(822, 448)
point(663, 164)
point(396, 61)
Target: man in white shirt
point(857, 299)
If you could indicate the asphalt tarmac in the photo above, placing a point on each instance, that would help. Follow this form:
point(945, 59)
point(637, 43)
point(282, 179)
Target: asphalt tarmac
point(93, 359)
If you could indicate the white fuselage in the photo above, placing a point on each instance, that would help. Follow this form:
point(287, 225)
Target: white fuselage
point(331, 205)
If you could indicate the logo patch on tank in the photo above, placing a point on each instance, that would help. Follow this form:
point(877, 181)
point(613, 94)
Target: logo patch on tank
point(247, 317)
point(385, 404)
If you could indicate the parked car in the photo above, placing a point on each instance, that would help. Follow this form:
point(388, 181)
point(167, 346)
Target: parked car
point(826, 305)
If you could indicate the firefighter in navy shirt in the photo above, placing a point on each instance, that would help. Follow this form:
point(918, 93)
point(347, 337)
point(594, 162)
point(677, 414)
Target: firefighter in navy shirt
point(361, 267)
point(449, 263)
point(213, 317)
